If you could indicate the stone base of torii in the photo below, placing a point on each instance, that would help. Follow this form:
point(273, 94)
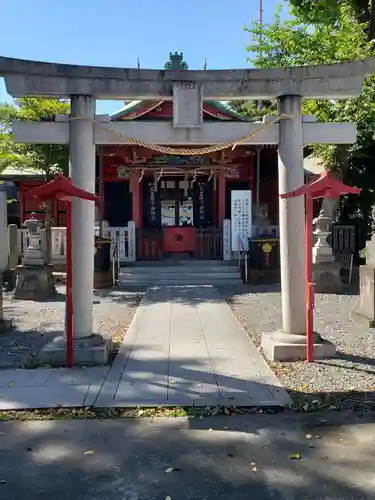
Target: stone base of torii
point(83, 85)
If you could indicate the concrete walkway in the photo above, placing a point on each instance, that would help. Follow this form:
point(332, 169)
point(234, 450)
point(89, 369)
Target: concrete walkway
point(184, 347)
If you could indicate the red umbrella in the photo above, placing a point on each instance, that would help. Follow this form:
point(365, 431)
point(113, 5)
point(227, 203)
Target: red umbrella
point(325, 186)
point(61, 188)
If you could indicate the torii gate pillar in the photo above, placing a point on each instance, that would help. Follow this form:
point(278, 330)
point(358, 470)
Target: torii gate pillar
point(82, 166)
point(292, 218)
point(290, 343)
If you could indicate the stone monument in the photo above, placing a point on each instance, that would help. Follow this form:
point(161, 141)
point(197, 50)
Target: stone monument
point(10, 273)
point(326, 272)
point(34, 277)
point(4, 323)
point(366, 310)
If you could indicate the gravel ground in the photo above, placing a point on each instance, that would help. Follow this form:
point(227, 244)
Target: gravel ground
point(37, 323)
point(347, 381)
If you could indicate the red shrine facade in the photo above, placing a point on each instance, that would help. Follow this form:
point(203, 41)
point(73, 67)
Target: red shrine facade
point(178, 203)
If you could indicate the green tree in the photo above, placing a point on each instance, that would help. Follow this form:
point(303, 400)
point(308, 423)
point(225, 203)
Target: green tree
point(49, 159)
point(328, 12)
point(297, 42)
point(252, 110)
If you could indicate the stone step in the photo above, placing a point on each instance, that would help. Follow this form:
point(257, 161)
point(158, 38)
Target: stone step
point(177, 269)
point(182, 263)
point(177, 281)
point(180, 275)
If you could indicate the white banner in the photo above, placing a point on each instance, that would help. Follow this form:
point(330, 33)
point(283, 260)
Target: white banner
point(241, 219)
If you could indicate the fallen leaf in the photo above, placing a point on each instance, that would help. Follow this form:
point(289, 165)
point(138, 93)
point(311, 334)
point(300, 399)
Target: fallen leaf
point(90, 452)
point(169, 470)
point(295, 456)
point(254, 469)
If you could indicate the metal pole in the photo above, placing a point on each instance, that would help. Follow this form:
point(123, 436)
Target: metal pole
point(260, 104)
point(69, 291)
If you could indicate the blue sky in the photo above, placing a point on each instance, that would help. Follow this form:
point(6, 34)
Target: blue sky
point(117, 32)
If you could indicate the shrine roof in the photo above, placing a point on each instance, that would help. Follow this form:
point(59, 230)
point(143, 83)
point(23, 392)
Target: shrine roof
point(135, 109)
point(220, 109)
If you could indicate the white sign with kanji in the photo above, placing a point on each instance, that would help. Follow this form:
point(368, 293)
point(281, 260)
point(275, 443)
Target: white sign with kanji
point(241, 219)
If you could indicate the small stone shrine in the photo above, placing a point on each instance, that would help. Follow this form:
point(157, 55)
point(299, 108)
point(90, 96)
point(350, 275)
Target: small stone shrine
point(34, 277)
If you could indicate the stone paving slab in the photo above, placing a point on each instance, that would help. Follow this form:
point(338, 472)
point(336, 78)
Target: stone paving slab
point(185, 347)
point(18, 398)
point(45, 388)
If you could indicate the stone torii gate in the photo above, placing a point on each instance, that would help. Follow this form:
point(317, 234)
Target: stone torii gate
point(188, 88)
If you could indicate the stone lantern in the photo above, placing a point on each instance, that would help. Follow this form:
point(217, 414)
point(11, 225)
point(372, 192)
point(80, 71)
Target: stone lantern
point(322, 251)
point(33, 255)
point(34, 277)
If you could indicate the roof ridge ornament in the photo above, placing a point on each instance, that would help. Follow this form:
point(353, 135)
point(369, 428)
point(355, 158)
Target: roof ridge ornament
point(176, 62)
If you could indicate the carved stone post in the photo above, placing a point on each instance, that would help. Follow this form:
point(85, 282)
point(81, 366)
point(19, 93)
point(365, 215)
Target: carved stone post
point(366, 309)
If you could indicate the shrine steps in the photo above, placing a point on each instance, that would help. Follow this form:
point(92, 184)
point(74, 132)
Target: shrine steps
point(188, 272)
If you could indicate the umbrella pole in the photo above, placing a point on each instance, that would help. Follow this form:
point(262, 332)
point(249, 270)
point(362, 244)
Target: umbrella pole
point(69, 293)
point(310, 286)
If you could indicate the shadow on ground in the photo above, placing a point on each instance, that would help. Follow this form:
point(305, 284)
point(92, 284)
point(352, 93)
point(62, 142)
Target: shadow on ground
point(259, 457)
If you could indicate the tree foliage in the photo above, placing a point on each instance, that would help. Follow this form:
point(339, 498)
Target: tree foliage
point(49, 159)
point(337, 37)
point(252, 110)
point(328, 12)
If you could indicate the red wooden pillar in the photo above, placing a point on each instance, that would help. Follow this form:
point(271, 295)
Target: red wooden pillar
point(222, 197)
point(251, 176)
point(22, 204)
point(214, 202)
point(136, 190)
